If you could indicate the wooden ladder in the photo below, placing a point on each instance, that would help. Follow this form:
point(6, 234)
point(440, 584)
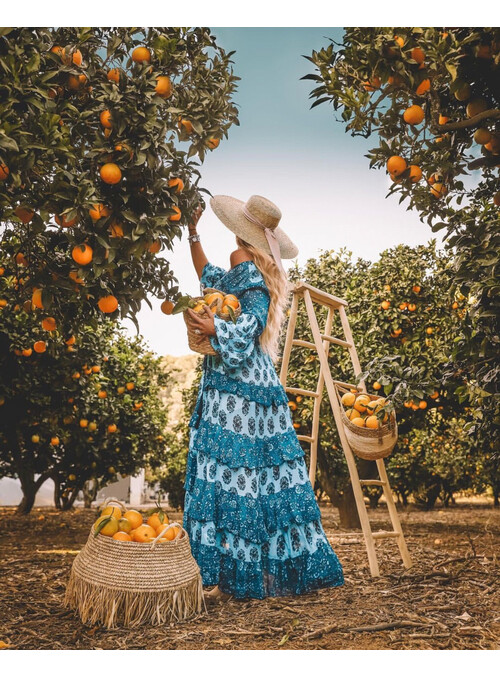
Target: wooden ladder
point(321, 344)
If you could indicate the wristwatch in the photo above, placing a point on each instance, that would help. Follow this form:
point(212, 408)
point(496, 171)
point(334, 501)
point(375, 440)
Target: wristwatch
point(194, 238)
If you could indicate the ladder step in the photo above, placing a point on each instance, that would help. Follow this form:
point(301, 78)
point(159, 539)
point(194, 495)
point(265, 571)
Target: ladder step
point(344, 384)
point(304, 344)
point(319, 296)
point(334, 340)
point(306, 439)
point(384, 535)
point(378, 483)
point(301, 391)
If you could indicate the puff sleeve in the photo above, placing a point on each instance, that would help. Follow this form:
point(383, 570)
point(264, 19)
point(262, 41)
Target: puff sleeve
point(211, 275)
point(234, 342)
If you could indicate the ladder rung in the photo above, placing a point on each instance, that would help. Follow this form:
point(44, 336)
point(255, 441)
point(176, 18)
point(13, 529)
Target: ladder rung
point(384, 535)
point(344, 384)
point(301, 391)
point(320, 296)
point(334, 340)
point(306, 439)
point(378, 483)
point(305, 344)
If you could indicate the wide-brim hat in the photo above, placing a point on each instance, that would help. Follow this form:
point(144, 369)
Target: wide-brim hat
point(255, 221)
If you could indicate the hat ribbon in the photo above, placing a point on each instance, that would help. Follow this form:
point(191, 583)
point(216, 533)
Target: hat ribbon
point(270, 236)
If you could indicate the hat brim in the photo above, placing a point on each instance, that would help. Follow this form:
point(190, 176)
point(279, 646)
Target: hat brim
point(230, 211)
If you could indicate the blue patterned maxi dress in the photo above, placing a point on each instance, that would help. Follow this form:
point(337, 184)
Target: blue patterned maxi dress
point(250, 510)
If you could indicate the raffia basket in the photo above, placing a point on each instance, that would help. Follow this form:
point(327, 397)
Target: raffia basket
point(366, 443)
point(128, 584)
point(200, 343)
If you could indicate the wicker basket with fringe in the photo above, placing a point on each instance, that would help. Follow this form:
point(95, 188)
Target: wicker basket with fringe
point(116, 583)
point(367, 443)
point(201, 343)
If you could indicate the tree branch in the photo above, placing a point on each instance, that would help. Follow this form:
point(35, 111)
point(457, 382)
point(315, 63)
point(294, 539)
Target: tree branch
point(491, 161)
point(471, 122)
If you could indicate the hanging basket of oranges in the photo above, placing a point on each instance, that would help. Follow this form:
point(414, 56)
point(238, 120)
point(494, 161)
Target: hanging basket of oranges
point(225, 306)
point(369, 424)
point(147, 576)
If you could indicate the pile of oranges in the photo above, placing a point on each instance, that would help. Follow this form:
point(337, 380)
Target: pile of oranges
point(362, 411)
point(221, 304)
point(131, 526)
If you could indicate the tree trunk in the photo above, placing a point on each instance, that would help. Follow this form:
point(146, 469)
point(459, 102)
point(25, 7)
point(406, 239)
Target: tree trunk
point(89, 490)
point(343, 499)
point(30, 487)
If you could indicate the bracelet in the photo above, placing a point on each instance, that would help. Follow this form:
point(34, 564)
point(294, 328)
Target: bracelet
point(194, 238)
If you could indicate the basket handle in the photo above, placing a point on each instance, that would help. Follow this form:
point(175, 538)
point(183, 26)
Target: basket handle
point(167, 527)
point(113, 500)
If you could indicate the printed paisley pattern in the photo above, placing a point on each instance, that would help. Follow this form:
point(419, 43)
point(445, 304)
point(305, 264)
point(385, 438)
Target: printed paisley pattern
point(250, 511)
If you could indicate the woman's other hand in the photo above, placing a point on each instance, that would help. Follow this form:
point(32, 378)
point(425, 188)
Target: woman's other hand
point(205, 323)
point(195, 219)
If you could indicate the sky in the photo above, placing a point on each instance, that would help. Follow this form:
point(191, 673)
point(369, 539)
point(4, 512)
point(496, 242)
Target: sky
point(299, 158)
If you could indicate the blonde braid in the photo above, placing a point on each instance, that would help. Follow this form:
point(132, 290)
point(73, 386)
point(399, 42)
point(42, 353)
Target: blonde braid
point(277, 284)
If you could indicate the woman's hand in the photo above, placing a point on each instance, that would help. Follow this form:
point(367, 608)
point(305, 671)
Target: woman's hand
point(195, 219)
point(205, 324)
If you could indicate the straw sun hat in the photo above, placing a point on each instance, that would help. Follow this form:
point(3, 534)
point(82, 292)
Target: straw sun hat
point(256, 222)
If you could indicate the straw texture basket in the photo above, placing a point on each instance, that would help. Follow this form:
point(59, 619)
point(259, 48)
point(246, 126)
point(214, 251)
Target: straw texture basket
point(201, 343)
point(127, 584)
point(366, 443)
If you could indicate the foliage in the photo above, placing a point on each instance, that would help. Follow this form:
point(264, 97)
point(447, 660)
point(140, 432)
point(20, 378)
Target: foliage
point(55, 86)
point(452, 74)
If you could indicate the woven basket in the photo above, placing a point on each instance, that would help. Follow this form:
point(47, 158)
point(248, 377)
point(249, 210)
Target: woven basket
point(198, 342)
point(366, 443)
point(127, 584)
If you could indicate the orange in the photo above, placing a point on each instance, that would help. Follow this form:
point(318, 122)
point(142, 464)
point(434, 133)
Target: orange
point(156, 522)
point(105, 118)
point(429, 330)
point(62, 221)
point(176, 216)
point(137, 406)
point(107, 525)
point(114, 75)
point(443, 119)
point(439, 190)
point(377, 386)
point(121, 389)
point(74, 276)
point(122, 536)
point(418, 55)
point(57, 50)
point(171, 533)
point(358, 421)
point(76, 57)
point(24, 214)
point(112, 511)
point(296, 426)
point(422, 404)
point(134, 518)
point(424, 87)
point(98, 211)
point(163, 86)
point(130, 385)
point(141, 55)
point(102, 394)
point(167, 306)
point(493, 145)
point(110, 173)
point(187, 124)
point(212, 297)
point(361, 402)
point(412, 307)
point(395, 79)
point(92, 426)
point(49, 324)
point(143, 533)
point(415, 173)
point(4, 171)
point(108, 304)
point(463, 92)
point(116, 230)
point(213, 142)
point(112, 428)
point(176, 183)
point(232, 301)
point(414, 115)
point(348, 399)
point(292, 405)
point(96, 369)
point(76, 375)
point(82, 254)
point(396, 165)
point(416, 289)
point(36, 298)
point(475, 107)
point(373, 84)
point(84, 423)
point(125, 148)
point(26, 352)
point(76, 81)
point(482, 136)
point(385, 305)
point(54, 441)
point(372, 422)
point(39, 347)
point(435, 395)
point(155, 247)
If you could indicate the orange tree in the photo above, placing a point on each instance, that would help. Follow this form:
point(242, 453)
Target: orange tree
point(101, 135)
point(432, 97)
point(404, 315)
point(73, 407)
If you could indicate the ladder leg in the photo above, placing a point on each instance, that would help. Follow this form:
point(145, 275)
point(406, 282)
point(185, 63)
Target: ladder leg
point(393, 513)
point(292, 321)
point(351, 464)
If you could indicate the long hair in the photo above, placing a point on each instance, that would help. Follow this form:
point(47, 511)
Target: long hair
point(277, 284)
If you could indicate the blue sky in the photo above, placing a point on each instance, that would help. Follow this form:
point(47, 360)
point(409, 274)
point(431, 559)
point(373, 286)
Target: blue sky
point(301, 159)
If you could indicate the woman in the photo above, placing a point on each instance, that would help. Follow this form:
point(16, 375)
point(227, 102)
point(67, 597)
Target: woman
point(250, 510)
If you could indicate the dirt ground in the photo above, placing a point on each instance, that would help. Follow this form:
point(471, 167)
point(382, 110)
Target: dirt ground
point(447, 600)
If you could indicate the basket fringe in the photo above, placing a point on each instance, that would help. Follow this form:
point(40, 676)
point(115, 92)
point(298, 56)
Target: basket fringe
point(112, 607)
